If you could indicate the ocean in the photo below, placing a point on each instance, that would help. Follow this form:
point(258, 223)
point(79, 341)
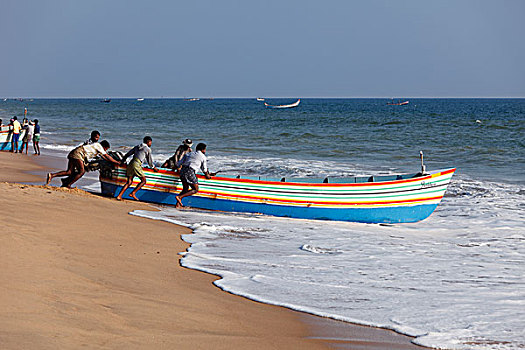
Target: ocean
point(454, 281)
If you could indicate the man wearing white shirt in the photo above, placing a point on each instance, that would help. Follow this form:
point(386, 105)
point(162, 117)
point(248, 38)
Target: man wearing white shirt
point(191, 163)
point(76, 159)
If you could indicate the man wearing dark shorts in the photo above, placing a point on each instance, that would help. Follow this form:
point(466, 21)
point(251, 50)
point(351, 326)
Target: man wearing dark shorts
point(191, 163)
point(76, 159)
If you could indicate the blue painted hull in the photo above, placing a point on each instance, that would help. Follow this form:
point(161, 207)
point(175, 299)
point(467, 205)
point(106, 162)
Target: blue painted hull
point(6, 146)
point(400, 214)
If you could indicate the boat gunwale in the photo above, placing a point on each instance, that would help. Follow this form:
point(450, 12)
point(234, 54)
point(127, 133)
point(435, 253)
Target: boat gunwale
point(430, 175)
point(162, 184)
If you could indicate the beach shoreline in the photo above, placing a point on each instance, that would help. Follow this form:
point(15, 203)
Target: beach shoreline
point(81, 271)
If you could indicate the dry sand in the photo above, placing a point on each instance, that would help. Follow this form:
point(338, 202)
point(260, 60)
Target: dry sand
point(78, 271)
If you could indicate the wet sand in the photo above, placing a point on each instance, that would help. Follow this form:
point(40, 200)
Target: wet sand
point(78, 271)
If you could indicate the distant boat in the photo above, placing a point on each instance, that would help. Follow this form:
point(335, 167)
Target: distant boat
point(140, 99)
point(292, 105)
point(106, 100)
point(398, 103)
point(191, 99)
point(260, 99)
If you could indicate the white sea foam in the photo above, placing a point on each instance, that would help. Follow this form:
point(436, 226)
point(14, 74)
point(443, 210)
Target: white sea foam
point(57, 147)
point(453, 281)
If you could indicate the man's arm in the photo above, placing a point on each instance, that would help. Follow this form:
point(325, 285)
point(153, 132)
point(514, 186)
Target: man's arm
point(130, 152)
point(204, 168)
point(180, 162)
point(150, 162)
point(110, 159)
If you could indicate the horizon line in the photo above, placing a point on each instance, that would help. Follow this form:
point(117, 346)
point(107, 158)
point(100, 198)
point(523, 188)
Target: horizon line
point(254, 97)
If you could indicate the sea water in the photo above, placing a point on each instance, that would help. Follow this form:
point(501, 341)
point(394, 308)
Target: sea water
point(455, 280)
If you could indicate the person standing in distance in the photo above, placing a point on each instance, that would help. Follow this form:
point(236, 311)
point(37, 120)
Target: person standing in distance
point(16, 135)
point(36, 137)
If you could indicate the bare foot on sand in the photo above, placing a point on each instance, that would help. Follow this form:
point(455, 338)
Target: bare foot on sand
point(48, 178)
point(179, 203)
point(132, 195)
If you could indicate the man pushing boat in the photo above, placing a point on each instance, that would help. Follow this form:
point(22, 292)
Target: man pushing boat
point(140, 153)
point(190, 164)
point(77, 159)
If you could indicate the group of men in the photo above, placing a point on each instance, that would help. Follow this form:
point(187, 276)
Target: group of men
point(186, 161)
point(32, 134)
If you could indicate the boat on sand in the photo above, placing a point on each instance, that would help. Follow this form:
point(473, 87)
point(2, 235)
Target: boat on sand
point(6, 136)
point(396, 198)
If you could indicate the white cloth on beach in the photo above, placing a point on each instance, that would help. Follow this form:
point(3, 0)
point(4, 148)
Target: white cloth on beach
point(195, 160)
point(93, 150)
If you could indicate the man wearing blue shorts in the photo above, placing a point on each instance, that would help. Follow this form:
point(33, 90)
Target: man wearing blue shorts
point(16, 135)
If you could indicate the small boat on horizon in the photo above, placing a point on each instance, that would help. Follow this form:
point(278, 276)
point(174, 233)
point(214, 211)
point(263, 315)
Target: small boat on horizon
point(260, 99)
point(192, 99)
point(140, 99)
point(398, 103)
point(292, 105)
point(106, 100)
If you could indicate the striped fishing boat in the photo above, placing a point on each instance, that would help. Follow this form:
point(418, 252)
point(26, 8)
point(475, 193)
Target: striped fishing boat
point(6, 136)
point(369, 199)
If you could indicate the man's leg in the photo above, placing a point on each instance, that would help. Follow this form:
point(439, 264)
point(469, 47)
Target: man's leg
point(185, 187)
point(194, 189)
point(79, 165)
point(16, 142)
point(134, 192)
point(13, 149)
point(128, 183)
point(69, 171)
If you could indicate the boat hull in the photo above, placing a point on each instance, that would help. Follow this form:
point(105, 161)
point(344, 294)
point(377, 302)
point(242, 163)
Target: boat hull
point(397, 201)
point(293, 105)
point(5, 139)
point(371, 215)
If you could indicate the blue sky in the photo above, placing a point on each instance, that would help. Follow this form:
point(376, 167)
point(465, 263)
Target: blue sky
point(410, 48)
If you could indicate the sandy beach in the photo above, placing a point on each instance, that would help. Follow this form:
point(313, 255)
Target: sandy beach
point(78, 271)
